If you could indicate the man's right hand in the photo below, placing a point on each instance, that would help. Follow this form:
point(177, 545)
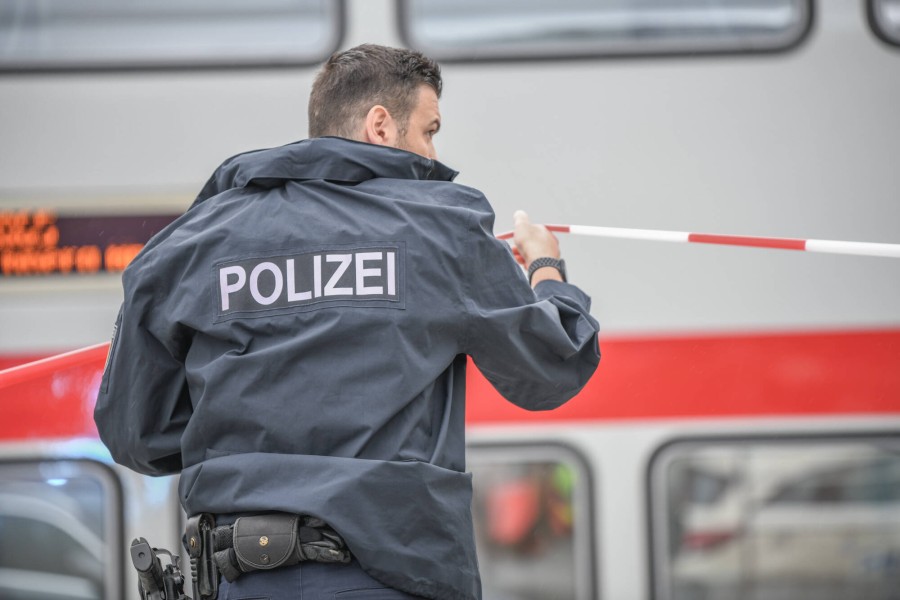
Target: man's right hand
point(535, 241)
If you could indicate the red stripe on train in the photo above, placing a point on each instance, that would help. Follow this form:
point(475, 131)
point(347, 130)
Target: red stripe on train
point(638, 378)
point(724, 376)
point(52, 398)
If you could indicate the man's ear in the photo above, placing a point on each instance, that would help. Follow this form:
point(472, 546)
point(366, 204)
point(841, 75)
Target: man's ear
point(381, 128)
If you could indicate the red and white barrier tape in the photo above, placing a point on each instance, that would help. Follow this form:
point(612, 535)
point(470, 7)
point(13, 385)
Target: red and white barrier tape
point(830, 246)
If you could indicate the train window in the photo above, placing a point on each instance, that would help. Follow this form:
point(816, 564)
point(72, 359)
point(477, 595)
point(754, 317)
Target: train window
point(503, 29)
point(800, 519)
point(884, 16)
point(58, 35)
point(60, 522)
point(533, 525)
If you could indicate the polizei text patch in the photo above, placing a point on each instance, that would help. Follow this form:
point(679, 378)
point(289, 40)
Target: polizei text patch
point(370, 276)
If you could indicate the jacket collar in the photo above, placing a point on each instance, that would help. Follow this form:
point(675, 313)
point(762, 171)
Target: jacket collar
point(331, 158)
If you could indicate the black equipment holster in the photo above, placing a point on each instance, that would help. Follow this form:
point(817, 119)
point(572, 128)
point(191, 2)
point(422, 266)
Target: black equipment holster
point(258, 542)
point(198, 539)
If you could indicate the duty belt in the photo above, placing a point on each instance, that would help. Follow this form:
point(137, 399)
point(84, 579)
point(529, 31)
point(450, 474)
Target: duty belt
point(259, 542)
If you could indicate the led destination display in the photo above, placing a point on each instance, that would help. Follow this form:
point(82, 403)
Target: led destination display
point(41, 242)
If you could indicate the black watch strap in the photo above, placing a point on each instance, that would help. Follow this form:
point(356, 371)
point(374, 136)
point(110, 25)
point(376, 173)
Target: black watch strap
point(538, 263)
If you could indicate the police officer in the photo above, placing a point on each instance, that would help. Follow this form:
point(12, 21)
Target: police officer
point(295, 344)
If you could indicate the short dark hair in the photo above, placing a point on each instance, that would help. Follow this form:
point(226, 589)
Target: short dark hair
point(353, 81)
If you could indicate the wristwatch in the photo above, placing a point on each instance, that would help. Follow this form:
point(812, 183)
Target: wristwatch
point(538, 263)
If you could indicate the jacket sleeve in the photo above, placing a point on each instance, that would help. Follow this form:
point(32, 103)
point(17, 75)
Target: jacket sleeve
point(538, 347)
point(143, 403)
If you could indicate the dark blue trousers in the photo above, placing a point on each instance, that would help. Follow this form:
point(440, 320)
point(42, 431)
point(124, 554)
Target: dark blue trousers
point(309, 581)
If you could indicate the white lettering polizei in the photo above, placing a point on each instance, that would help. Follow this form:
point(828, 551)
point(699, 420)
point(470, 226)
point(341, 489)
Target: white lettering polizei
point(362, 273)
point(229, 288)
point(292, 294)
point(317, 275)
point(254, 283)
point(345, 260)
point(367, 274)
point(391, 274)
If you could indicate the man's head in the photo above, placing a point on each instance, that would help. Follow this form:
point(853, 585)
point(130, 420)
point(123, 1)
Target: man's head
point(379, 95)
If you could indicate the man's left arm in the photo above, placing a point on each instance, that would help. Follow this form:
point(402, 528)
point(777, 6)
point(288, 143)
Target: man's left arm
point(143, 404)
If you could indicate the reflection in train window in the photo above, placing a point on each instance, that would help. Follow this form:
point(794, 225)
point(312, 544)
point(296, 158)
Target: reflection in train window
point(884, 16)
point(532, 523)
point(797, 520)
point(104, 34)
point(60, 530)
point(477, 30)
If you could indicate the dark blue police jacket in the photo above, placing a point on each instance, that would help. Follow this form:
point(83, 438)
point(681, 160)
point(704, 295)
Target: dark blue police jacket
point(296, 342)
